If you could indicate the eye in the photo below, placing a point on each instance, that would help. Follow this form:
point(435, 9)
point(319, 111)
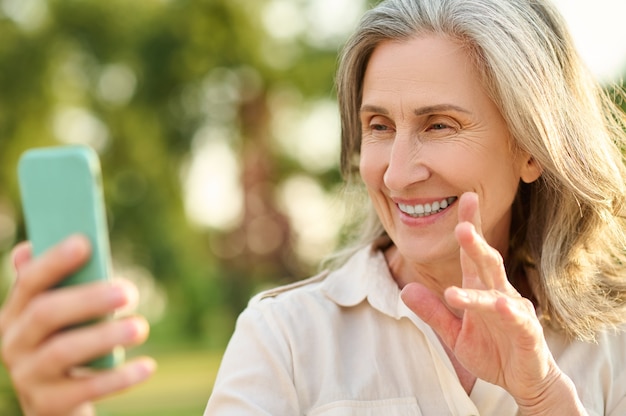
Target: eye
point(441, 125)
point(378, 126)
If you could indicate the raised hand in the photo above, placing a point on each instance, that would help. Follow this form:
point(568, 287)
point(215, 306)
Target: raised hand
point(490, 328)
point(42, 357)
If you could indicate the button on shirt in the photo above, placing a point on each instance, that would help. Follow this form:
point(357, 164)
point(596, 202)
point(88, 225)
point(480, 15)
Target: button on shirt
point(344, 343)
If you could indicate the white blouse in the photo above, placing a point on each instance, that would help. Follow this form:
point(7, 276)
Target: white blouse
point(344, 343)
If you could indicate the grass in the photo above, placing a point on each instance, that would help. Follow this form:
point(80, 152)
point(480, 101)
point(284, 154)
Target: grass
point(180, 387)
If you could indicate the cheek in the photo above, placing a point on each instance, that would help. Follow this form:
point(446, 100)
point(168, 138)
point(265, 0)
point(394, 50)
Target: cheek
point(499, 189)
point(372, 164)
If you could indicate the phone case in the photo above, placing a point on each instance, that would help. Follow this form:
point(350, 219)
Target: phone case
point(62, 195)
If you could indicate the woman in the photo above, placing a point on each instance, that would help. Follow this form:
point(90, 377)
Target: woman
point(494, 250)
point(492, 254)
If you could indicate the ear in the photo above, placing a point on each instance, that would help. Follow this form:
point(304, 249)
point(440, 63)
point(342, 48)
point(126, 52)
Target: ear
point(530, 170)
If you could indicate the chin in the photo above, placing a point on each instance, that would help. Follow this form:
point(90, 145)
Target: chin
point(427, 250)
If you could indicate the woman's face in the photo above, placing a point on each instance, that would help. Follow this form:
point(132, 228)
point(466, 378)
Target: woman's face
point(431, 133)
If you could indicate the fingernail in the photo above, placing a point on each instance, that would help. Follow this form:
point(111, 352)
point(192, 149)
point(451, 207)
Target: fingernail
point(144, 368)
point(128, 297)
point(462, 294)
point(135, 329)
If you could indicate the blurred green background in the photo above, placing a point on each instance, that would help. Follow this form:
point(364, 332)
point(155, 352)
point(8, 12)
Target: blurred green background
point(218, 132)
point(217, 128)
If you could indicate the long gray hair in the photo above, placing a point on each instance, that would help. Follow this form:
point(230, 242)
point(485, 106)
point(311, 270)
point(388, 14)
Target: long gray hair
point(567, 235)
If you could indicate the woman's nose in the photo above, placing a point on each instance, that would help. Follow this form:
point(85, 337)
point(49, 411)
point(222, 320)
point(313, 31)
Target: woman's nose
point(406, 163)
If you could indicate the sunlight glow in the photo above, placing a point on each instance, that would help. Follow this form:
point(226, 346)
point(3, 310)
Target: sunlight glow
point(597, 28)
point(76, 125)
point(152, 303)
point(283, 19)
point(28, 14)
point(314, 214)
point(331, 21)
point(116, 84)
point(309, 132)
point(213, 193)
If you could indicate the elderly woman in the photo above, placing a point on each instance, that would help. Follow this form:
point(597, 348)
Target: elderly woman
point(493, 253)
point(488, 277)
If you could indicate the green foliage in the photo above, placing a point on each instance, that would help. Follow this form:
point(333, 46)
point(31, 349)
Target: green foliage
point(63, 65)
point(137, 80)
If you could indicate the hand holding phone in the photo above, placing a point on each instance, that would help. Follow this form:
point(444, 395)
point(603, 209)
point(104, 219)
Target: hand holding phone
point(62, 195)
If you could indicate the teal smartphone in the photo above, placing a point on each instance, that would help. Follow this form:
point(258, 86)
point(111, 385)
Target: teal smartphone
point(61, 191)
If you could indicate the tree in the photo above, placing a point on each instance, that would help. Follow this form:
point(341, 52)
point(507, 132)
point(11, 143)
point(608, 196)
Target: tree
point(140, 81)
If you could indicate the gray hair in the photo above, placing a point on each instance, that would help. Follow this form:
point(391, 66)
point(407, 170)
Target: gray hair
point(567, 234)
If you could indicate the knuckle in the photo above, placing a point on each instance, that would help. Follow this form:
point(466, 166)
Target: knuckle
point(95, 387)
point(494, 259)
point(58, 353)
point(527, 304)
point(38, 312)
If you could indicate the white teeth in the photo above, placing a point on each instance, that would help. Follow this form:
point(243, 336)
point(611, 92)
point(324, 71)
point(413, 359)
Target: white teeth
point(425, 210)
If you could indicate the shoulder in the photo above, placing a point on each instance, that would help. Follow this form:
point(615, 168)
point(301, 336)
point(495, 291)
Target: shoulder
point(318, 300)
point(598, 369)
point(293, 289)
point(614, 346)
point(345, 286)
point(292, 307)
point(608, 346)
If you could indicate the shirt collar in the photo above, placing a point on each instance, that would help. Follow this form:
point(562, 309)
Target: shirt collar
point(366, 276)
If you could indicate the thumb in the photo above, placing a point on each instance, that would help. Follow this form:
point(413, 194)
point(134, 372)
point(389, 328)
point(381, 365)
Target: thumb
point(433, 311)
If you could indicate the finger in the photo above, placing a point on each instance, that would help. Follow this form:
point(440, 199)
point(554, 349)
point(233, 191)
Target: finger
point(491, 302)
point(21, 255)
point(469, 216)
point(54, 310)
point(468, 299)
point(63, 398)
point(474, 276)
point(112, 381)
point(42, 273)
point(78, 346)
point(471, 277)
point(431, 309)
point(469, 211)
point(486, 262)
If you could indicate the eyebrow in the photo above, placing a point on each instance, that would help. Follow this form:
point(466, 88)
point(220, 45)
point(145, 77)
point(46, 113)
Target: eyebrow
point(419, 111)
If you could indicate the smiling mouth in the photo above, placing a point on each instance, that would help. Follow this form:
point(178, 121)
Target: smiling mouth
point(425, 210)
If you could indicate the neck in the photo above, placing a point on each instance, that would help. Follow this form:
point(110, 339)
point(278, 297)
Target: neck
point(436, 277)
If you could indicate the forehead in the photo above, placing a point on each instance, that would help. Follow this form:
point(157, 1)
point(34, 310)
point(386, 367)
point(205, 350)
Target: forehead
point(429, 65)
